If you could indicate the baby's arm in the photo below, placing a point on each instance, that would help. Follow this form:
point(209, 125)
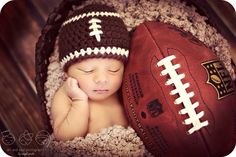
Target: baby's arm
point(70, 111)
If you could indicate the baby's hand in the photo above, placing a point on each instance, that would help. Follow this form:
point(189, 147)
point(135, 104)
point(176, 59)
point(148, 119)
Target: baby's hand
point(73, 91)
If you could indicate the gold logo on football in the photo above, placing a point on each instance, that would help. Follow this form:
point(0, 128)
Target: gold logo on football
point(216, 79)
point(219, 78)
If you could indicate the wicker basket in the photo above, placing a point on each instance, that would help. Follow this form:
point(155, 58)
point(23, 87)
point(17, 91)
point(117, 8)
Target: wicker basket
point(46, 42)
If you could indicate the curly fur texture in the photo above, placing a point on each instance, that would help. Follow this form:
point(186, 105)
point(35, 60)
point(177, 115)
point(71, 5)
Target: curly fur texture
point(112, 141)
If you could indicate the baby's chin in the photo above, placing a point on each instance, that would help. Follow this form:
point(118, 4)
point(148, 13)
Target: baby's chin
point(99, 96)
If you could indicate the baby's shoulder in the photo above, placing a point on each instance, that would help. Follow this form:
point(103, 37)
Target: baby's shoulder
point(60, 91)
point(60, 95)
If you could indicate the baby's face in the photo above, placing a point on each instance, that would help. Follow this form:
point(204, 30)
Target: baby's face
point(99, 78)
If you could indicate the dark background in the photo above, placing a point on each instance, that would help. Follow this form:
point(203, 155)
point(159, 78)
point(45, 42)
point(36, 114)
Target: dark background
point(21, 22)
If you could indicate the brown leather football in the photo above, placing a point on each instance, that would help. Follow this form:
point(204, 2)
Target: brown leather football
point(178, 95)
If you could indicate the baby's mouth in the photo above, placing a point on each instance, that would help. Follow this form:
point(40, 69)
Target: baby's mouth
point(101, 91)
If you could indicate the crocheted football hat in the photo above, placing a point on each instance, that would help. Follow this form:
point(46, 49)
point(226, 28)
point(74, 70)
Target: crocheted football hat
point(95, 31)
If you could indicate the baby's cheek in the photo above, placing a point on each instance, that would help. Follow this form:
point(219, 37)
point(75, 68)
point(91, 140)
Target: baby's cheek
point(82, 80)
point(85, 85)
point(117, 83)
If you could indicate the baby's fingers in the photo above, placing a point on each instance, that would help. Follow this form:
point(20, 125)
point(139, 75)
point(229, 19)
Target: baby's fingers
point(73, 90)
point(73, 82)
point(70, 82)
point(70, 85)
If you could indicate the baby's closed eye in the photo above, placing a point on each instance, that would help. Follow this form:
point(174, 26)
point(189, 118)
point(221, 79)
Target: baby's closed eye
point(86, 70)
point(114, 70)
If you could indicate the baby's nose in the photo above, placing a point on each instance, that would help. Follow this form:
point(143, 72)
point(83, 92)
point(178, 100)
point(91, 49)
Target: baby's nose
point(101, 78)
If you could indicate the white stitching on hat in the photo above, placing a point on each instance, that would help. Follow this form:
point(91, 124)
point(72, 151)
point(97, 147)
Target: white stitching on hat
point(78, 17)
point(108, 50)
point(95, 28)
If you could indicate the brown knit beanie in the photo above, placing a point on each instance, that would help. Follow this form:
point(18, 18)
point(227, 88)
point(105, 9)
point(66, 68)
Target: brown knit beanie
point(95, 31)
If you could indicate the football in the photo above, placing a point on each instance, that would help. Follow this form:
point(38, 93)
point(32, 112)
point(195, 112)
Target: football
point(178, 96)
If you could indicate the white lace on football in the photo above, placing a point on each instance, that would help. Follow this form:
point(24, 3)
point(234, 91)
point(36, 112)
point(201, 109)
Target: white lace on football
point(102, 50)
point(184, 97)
point(90, 14)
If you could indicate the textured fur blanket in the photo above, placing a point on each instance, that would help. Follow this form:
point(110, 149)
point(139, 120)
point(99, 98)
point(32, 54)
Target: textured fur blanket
point(117, 140)
point(112, 141)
